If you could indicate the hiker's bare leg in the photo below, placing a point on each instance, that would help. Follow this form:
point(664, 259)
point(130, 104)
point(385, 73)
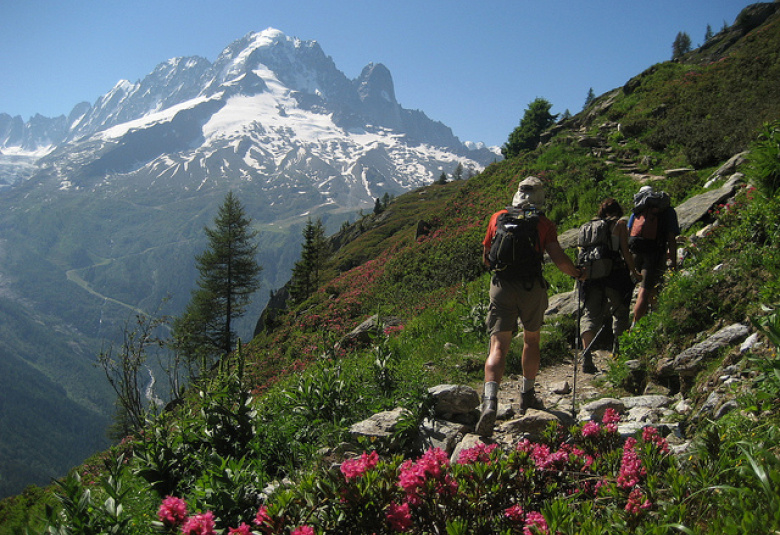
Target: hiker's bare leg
point(531, 354)
point(587, 338)
point(496, 360)
point(642, 303)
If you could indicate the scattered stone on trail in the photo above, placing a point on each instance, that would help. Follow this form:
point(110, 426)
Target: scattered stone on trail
point(595, 409)
point(562, 388)
point(531, 425)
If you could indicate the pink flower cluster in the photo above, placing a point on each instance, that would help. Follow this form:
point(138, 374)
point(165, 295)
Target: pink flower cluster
point(631, 469)
point(478, 454)
point(535, 524)
point(430, 467)
point(637, 502)
point(534, 521)
point(172, 512)
point(201, 524)
point(399, 517)
point(354, 468)
point(650, 435)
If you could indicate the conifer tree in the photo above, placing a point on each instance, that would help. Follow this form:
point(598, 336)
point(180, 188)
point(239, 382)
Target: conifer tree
point(590, 97)
point(708, 34)
point(442, 178)
point(458, 174)
point(307, 272)
point(228, 276)
point(681, 45)
point(526, 136)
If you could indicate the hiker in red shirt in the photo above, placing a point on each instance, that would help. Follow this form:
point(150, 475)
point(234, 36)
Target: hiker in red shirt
point(516, 240)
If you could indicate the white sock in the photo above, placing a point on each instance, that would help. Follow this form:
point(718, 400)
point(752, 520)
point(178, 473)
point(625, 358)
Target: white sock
point(526, 385)
point(491, 390)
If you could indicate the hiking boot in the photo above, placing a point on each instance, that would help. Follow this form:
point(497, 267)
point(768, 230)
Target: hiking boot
point(587, 364)
point(487, 418)
point(529, 400)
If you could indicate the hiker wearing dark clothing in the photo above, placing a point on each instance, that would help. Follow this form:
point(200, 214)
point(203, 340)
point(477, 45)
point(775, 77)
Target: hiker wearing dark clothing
point(518, 290)
point(653, 229)
point(607, 294)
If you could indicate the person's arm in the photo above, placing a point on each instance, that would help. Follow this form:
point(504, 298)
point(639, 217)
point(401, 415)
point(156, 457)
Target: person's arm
point(562, 260)
point(621, 228)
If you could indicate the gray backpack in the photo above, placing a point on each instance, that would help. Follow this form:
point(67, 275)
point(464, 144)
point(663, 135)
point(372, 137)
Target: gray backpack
point(594, 248)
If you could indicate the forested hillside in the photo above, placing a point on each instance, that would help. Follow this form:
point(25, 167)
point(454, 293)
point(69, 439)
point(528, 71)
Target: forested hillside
point(264, 444)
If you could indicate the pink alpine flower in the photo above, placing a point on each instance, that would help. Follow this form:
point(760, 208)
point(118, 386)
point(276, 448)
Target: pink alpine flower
point(263, 519)
point(202, 524)
point(535, 523)
point(631, 469)
point(637, 502)
point(590, 429)
point(172, 512)
point(650, 434)
point(611, 416)
point(243, 529)
point(514, 513)
point(430, 467)
point(354, 468)
point(479, 453)
point(399, 517)
point(303, 530)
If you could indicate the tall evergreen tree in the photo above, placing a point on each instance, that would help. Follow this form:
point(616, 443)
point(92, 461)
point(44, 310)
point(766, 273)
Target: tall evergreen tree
point(708, 34)
point(526, 136)
point(590, 97)
point(228, 276)
point(307, 272)
point(458, 173)
point(681, 45)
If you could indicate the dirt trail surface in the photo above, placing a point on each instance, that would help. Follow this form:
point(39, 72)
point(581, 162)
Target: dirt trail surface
point(555, 385)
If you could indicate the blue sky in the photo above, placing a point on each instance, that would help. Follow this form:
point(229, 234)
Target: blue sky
point(475, 66)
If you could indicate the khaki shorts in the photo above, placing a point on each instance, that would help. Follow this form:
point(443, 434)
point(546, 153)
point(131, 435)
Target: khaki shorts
point(511, 299)
point(601, 302)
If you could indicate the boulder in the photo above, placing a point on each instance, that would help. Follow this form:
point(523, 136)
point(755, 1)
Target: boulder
point(453, 400)
point(689, 362)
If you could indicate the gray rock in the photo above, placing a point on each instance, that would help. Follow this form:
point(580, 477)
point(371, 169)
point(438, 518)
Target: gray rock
point(531, 425)
point(442, 434)
point(452, 400)
point(652, 401)
point(689, 362)
point(595, 409)
point(724, 409)
point(698, 207)
point(380, 426)
point(468, 442)
point(562, 388)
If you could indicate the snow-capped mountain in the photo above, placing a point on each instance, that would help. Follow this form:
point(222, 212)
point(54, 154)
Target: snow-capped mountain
point(271, 110)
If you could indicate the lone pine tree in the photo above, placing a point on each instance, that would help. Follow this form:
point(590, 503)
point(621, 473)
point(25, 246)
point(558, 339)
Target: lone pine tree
point(228, 276)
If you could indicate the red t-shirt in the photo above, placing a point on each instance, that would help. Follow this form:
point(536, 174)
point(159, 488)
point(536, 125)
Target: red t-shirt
point(547, 231)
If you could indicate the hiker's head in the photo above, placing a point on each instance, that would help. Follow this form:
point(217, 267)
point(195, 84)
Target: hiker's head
point(530, 192)
point(610, 208)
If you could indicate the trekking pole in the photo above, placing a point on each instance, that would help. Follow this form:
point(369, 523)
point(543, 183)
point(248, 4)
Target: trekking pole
point(576, 350)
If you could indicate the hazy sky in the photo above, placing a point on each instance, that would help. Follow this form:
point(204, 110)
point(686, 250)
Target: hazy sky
point(473, 65)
